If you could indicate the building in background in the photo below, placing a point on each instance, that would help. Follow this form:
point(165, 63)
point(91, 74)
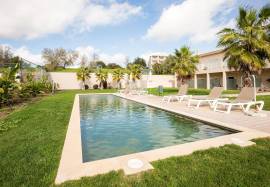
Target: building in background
point(213, 71)
point(156, 58)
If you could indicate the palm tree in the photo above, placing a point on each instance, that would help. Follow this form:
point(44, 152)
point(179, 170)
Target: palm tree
point(135, 71)
point(102, 77)
point(83, 74)
point(184, 63)
point(248, 45)
point(118, 75)
point(9, 74)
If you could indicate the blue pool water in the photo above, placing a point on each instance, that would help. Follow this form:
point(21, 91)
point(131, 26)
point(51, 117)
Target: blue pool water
point(112, 126)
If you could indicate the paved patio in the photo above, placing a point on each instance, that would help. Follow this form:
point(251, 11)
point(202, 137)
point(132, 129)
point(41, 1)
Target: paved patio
point(236, 118)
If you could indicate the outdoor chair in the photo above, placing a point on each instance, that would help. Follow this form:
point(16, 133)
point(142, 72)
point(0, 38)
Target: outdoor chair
point(211, 99)
point(181, 95)
point(244, 100)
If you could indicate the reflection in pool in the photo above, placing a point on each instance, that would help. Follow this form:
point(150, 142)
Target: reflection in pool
point(112, 126)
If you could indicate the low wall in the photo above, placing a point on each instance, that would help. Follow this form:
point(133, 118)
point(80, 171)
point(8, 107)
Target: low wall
point(67, 80)
point(164, 80)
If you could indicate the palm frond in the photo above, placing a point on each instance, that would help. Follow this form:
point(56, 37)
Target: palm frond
point(264, 13)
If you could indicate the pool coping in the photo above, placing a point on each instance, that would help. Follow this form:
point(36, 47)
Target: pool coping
point(71, 165)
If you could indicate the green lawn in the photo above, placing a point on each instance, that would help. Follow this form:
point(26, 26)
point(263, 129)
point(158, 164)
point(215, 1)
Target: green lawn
point(191, 91)
point(66, 70)
point(266, 99)
point(33, 137)
point(74, 70)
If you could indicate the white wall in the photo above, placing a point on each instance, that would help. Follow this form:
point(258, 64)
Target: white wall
point(211, 63)
point(164, 80)
point(68, 81)
point(65, 80)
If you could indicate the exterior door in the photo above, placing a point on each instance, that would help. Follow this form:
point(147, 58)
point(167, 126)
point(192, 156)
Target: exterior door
point(215, 82)
point(201, 83)
point(231, 83)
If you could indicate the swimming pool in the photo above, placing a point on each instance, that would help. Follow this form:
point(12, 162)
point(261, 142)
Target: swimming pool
point(112, 126)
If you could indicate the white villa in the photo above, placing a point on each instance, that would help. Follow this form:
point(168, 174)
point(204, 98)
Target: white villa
point(213, 71)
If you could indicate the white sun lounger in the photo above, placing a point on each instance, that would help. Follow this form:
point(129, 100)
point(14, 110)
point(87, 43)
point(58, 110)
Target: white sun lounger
point(181, 95)
point(244, 100)
point(211, 99)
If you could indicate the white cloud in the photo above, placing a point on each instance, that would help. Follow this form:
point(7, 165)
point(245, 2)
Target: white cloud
point(98, 15)
point(117, 58)
point(25, 53)
point(31, 18)
point(195, 19)
point(88, 51)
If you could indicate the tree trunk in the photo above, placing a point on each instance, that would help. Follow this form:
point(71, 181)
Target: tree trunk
point(104, 84)
point(83, 85)
point(179, 80)
point(247, 81)
point(100, 85)
point(119, 85)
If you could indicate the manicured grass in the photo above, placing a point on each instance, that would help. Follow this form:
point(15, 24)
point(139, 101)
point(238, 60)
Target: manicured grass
point(31, 145)
point(226, 166)
point(266, 99)
point(191, 91)
point(30, 150)
point(66, 70)
point(74, 70)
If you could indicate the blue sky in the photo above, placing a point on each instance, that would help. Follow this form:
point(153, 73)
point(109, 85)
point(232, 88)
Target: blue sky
point(115, 29)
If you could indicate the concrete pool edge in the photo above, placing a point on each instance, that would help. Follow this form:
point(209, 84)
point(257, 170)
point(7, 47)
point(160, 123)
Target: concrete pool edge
point(71, 166)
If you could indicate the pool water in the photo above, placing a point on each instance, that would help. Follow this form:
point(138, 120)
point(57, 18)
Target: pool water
point(112, 126)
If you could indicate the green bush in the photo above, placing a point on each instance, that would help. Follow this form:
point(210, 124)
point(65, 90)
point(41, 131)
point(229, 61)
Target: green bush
point(12, 92)
point(35, 87)
point(8, 91)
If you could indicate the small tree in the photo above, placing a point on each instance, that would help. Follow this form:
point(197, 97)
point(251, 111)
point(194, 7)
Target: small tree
point(247, 47)
point(157, 69)
point(102, 77)
point(83, 74)
point(135, 72)
point(100, 64)
point(84, 61)
point(53, 57)
point(68, 58)
point(118, 75)
point(113, 66)
point(167, 66)
point(5, 54)
point(58, 57)
point(184, 63)
point(140, 61)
